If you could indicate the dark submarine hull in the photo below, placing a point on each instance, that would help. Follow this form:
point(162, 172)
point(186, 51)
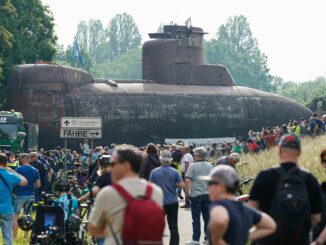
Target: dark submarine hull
point(179, 97)
point(141, 111)
point(136, 113)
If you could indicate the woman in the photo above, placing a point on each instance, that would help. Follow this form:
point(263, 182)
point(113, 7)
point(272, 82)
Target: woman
point(151, 161)
point(231, 221)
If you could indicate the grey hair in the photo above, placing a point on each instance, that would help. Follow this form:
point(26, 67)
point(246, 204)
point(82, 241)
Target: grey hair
point(165, 161)
point(228, 176)
point(201, 152)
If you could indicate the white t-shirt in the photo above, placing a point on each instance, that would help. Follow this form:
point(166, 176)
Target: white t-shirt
point(109, 206)
point(186, 158)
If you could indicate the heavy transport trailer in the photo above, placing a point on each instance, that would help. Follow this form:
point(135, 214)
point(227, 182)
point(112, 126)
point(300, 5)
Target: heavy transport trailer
point(178, 97)
point(15, 134)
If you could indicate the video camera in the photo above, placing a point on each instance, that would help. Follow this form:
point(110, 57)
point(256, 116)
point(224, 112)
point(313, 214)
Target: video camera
point(50, 226)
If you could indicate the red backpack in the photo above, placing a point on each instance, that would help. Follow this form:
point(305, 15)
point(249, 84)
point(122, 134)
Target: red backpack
point(143, 220)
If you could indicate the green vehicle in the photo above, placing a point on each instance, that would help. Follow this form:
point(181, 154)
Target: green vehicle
point(15, 134)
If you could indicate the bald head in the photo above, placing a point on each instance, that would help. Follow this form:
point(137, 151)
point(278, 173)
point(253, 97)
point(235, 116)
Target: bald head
point(288, 154)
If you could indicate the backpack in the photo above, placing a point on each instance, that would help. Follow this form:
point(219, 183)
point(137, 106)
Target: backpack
point(291, 206)
point(141, 213)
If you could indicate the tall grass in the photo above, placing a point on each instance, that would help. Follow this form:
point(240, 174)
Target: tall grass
point(251, 165)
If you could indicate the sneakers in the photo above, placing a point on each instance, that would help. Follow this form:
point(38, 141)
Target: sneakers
point(180, 196)
point(187, 205)
point(192, 242)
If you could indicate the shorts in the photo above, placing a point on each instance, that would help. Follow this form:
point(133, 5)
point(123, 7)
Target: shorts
point(22, 202)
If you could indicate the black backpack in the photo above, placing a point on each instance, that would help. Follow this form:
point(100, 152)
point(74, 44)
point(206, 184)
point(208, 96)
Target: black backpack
point(291, 206)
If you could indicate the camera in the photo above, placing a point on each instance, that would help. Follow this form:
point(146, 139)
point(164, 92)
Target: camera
point(104, 160)
point(50, 226)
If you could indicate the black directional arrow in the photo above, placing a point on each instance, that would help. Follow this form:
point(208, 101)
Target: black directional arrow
point(97, 133)
point(66, 122)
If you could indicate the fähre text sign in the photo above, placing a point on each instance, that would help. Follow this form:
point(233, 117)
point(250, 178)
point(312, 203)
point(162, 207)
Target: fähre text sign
point(81, 122)
point(80, 133)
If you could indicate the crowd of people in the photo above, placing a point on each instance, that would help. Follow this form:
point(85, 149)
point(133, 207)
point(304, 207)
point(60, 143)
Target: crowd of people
point(138, 187)
point(269, 137)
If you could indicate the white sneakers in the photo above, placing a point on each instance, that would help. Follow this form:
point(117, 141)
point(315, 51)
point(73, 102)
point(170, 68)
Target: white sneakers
point(195, 242)
point(192, 242)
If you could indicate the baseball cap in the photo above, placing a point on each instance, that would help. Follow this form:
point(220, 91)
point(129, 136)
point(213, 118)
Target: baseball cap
point(290, 141)
point(235, 156)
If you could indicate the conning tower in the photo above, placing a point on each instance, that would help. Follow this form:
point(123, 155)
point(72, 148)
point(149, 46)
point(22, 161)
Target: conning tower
point(176, 56)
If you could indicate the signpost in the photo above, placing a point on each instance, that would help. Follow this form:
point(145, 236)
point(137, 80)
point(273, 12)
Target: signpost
point(68, 133)
point(80, 128)
point(81, 122)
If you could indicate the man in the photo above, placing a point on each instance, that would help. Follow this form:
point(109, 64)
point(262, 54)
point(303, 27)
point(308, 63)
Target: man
point(186, 160)
point(25, 194)
point(176, 156)
point(271, 188)
point(231, 220)
point(214, 151)
point(43, 172)
point(8, 179)
point(169, 179)
point(176, 163)
point(199, 194)
point(107, 217)
point(85, 151)
point(295, 128)
point(13, 162)
point(230, 160)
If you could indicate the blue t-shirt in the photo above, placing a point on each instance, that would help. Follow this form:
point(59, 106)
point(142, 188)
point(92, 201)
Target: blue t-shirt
point(64, 202)
point(5, 194)
point(32, 175)
point(242, 218)
point(167, 178)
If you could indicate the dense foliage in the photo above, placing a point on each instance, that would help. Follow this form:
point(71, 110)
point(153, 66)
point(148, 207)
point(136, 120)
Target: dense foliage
point(304, 92)
point(238, 50)
point(111, 52)
point(26, 35)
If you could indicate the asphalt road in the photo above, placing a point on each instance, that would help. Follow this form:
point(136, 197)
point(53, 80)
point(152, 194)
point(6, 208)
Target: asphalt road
point(185, 227)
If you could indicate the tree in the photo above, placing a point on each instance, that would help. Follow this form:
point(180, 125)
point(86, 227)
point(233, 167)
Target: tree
point(237, 49)
point(126, 66)
point(27, 32)
point(303, 92)
point(7, 10)
point(82, 36)
point(123, 35)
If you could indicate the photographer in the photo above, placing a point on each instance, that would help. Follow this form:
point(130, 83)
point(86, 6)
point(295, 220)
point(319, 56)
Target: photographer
point(103, 179)
point(8, 179)
point(68, 203)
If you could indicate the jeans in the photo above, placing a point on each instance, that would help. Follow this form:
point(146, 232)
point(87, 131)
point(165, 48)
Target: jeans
point(100, 241)
point(22, 202)
point(199, 205)
point(6, 222)
point(171, 211)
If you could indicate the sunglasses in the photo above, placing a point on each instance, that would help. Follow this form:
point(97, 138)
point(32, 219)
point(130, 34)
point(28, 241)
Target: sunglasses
point(210, 183)
point(113, 163)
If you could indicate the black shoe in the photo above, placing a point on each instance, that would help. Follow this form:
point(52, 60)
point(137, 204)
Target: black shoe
point(187, 205)
point(180, 196)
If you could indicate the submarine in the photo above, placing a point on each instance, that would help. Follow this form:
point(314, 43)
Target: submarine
point(179, 96)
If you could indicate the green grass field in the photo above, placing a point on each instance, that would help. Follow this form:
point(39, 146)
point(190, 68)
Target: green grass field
point(250, 165)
